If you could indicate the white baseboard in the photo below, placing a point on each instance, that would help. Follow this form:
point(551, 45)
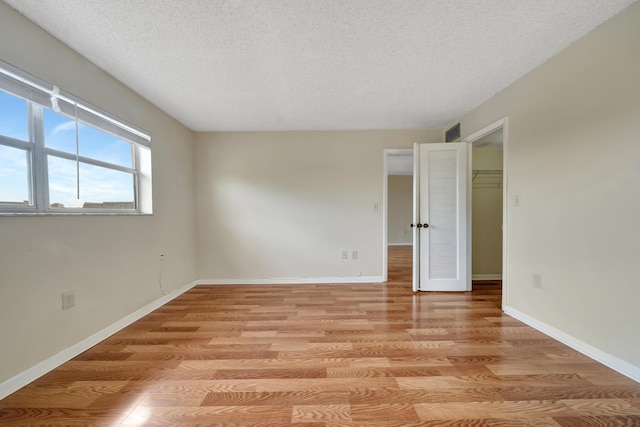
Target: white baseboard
point(292, 280)
point(400, 244)
point(486, 277)
point(15, 383)
point(596, 354)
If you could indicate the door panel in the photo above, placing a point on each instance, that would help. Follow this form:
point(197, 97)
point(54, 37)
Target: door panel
point(439, 208)
point(440, 205)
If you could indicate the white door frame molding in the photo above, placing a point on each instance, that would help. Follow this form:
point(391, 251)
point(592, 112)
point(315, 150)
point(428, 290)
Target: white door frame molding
point(503, 124)
point(385, 205)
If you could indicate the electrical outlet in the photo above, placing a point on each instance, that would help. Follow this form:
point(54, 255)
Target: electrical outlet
point(354, 254)
point(537, 280)
point(68, 300)
point(345, 254)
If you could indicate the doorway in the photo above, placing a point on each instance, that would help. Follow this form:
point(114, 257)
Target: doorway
point(491, 137)
point(397, 187)
point(486, 209)
point(498, 133)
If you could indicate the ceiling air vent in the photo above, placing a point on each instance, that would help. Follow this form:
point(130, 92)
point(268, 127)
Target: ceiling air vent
point(452, 133)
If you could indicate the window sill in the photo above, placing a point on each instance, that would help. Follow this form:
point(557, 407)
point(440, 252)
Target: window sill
point(93, 213)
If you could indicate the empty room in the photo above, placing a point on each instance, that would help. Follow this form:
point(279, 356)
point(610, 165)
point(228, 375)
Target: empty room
point(320, 213)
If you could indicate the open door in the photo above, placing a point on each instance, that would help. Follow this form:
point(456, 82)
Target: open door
point(441, 226)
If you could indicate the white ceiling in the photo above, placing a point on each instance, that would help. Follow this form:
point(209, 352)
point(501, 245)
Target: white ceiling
point(317, 64)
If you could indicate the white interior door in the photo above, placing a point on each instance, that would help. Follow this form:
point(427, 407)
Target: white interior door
point(441, 220)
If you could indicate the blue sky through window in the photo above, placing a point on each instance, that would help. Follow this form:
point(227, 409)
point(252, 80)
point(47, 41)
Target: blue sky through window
point(14, 173)
point(13, 117)
point(97, 184)
point(60, 134)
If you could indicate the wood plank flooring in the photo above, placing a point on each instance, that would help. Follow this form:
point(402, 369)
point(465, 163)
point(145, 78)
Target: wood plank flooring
point(327, 356)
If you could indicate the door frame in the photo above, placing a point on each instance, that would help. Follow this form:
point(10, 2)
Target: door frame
point(385, 205)
point(503, 124)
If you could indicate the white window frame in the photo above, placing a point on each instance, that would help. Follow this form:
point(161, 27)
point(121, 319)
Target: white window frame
point(40, 95)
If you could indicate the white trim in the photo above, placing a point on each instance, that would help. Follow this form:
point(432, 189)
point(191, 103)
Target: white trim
point(385, 219)
point(401, 244)
point(486, 130)
point(505, 209)
point(486, 277)
point(291, 280)
point(594, 353)
point(15, 383)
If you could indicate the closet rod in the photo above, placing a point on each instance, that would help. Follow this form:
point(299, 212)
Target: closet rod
point(477, 172)
point(487, 171)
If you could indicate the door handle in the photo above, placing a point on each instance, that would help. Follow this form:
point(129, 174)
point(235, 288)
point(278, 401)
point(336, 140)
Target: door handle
point(425, 225)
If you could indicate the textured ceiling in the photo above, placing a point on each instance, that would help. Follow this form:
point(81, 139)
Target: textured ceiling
point(317, 64)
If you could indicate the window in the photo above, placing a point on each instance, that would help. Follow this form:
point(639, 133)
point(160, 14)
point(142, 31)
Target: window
point(59, 154)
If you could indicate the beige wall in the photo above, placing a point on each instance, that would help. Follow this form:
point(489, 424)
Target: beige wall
point(574, 162)
point(400, 205)
point(276, 205)
point(112, 262)
point(487, 215)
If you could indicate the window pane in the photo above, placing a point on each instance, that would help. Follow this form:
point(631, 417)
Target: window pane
point(60, 134)
point(14, 176)
point(103, 146)
point(100, 188)
point(13, 117)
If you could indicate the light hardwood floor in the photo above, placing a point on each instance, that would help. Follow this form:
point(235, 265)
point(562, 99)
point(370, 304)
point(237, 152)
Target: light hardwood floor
point(329, 355)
